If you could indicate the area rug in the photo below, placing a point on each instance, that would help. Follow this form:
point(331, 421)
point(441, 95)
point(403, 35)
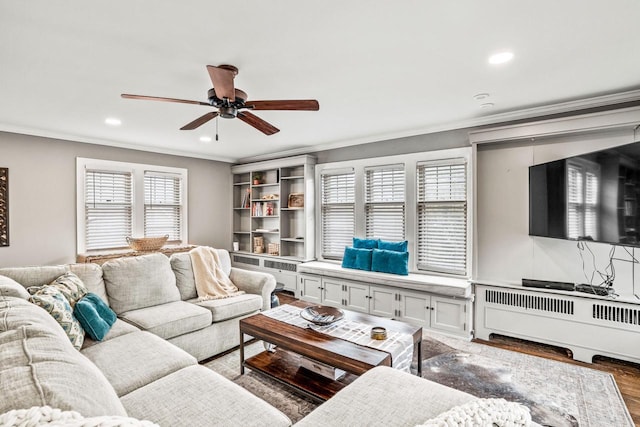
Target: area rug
point(558, 394)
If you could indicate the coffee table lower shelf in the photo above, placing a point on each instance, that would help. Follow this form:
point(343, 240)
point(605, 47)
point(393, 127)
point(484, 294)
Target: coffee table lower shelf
point(284, 366)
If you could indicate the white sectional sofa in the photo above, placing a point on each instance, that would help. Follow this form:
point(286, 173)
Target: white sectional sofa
point(146, 367)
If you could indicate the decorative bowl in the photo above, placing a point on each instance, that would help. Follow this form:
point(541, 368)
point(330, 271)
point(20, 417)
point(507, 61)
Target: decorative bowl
point(147, 244)
point(322, 314)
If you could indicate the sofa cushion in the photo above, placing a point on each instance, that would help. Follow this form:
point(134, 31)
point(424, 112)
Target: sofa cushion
point(230, 404)
point(33, 276)
point(120, 327)
point(169, 320)
point(228, 308)
point(43, 368)
point(134, 360)
point(94, 315)
point(11, 288)
point(53, 301)
point(138, 282)
point(181, 265)
point(390, 397)
point(91, 276)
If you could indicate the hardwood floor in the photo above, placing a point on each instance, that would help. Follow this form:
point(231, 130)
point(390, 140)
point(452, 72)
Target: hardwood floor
point(626, 374)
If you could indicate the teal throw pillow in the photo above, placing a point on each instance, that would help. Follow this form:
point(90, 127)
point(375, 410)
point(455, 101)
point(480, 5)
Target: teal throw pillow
point(393, 262)
point(359, 259)
point(400, 246)
point(95, 316)
point(365, 243)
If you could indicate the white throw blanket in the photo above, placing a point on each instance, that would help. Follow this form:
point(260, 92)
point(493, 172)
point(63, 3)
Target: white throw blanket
point(211, 281)
point(484, 413)
point(47, 416)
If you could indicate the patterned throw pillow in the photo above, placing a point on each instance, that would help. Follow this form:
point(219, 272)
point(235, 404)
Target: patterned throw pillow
point(54, 302)
point(68, 284)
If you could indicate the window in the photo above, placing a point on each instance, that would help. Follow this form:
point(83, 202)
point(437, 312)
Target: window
point(108, 209)
point(583, 179)
point(117, 200)
point(442, 216)
point(385, 202)
point(338, 212)
point(162, 205)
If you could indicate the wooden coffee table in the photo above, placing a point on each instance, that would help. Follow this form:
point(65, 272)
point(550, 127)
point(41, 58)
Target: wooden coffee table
point(293, 342)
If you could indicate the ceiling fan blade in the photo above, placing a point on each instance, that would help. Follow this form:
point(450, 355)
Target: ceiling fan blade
point(200, 121)
point(257, 122)
point(157, 98)
point(222, 79)
point(293, 104)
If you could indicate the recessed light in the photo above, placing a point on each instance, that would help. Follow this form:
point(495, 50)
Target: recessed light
point(500, 58)
point(480, 96)
point(205, 139)
point(487, 105)
point(113, 121)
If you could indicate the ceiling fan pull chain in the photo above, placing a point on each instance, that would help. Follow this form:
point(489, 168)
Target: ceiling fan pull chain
point(217, 127)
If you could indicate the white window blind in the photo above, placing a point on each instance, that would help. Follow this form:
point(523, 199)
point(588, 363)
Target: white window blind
point(338, 212)
point(162, 205)
point(385, 202)
point(442, 216)
point(108, 209)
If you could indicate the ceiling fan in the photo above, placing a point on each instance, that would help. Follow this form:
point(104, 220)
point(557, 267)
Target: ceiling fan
point(231, 102)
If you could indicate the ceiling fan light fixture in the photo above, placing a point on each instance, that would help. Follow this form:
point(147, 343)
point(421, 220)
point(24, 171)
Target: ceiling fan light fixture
point(228, 112)
point(205, 139)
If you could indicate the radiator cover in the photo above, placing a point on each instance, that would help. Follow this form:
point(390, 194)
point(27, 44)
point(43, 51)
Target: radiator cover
point(586, 325)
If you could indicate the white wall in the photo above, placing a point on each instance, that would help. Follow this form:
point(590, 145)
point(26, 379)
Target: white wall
point(505, 252)
point(42, 196)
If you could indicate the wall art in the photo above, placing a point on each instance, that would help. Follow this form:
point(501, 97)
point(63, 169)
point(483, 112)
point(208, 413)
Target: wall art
point(4, 207)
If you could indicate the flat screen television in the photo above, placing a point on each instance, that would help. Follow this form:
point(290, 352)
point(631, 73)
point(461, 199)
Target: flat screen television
point(593, 196)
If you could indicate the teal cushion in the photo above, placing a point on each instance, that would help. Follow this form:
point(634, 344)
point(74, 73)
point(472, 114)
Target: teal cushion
point(94, 315)
point(393, 262)
point(365, 243)
point(400, 246)
point(359, 259)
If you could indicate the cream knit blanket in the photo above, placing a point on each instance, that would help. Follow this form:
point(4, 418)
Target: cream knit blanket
point(211, 281)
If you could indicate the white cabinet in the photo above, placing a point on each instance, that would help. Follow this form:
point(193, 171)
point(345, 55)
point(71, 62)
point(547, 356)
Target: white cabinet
point(383, 301)
point(441, 313)
point(310, 288)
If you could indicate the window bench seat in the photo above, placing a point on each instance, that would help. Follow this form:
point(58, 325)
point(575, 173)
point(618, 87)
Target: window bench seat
point(447, 286)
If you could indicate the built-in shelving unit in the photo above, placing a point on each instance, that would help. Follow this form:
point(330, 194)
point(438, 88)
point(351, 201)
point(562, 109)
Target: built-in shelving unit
point(273, 203)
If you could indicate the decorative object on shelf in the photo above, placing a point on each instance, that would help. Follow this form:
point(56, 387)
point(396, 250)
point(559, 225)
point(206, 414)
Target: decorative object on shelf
point(236, 246)
point(257, 178)
point(246, 198)
point(270, 197)
point(296, 200)
point(258, 244)
point(273, 249)
point(4, 206)
point(269, 209)
point(322, 314)
point(147, 244)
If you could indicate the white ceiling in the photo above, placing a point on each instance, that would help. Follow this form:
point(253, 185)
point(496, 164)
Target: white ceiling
point(380, 69)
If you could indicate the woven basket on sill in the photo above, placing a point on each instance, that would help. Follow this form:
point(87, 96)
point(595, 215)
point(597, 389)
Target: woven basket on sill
point(147, 244)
